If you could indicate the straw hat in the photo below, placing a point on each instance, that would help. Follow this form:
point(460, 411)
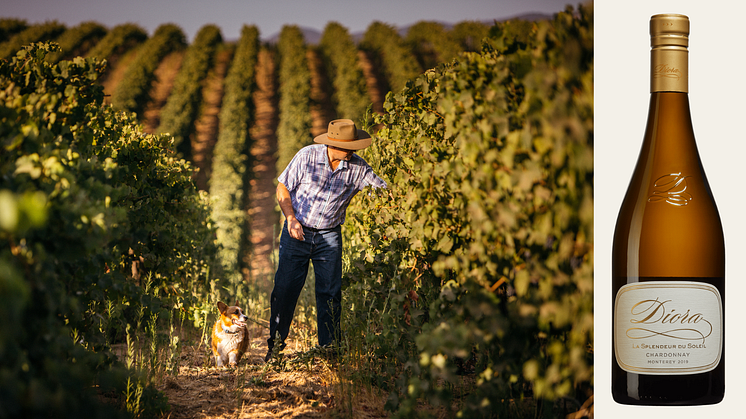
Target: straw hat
point(344, 134)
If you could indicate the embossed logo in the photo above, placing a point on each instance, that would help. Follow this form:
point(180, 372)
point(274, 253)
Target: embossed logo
point(671, 189)
point(666, 71)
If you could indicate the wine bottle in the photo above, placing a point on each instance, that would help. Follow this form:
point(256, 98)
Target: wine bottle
point(668, 256)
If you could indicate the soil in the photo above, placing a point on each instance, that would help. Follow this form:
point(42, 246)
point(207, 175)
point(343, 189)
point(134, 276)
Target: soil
point(165, 74)
point(115, 73)
point(263, 215)
point(375, 81)
point(206, 127)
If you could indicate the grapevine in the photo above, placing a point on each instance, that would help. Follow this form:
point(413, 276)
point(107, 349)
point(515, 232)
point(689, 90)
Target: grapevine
point(483, 264)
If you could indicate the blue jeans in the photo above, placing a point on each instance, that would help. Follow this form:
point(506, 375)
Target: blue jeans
point(324, 248)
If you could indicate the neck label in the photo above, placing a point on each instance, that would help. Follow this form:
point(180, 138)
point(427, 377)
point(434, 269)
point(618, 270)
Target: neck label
point(669, 70)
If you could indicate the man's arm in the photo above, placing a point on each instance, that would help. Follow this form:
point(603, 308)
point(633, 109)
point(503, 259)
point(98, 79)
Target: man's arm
point(294, 227)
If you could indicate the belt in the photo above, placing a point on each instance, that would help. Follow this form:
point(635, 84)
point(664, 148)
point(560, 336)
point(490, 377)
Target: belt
point(316, 230)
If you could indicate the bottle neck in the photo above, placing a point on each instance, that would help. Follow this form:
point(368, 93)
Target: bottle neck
point(669, 69)
point(669, 132)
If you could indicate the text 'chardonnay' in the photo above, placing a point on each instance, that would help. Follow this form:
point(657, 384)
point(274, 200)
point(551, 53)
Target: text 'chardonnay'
point(668, 257)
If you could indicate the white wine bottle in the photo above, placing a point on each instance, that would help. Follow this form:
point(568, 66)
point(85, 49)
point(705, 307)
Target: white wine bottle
point(668, 257)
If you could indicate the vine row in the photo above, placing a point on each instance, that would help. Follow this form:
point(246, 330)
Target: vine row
point(294, 125)
point(117, 40)
point(229, 184)
point(431, 44)
point(33, 33)
point(76, 40)
point(340, 55)
point(133, 92)
point(478, 259)
point(102, 227)
point(182, 106)
point(390, 53)
point(11, 26)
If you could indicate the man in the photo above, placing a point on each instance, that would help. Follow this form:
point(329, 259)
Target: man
point(314, 191)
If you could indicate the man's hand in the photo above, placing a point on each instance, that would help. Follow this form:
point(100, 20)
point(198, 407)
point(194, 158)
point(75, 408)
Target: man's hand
point(295, 228)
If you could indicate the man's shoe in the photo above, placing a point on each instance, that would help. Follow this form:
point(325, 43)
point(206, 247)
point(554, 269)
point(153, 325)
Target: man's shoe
point(327, 352)
point(271, 354)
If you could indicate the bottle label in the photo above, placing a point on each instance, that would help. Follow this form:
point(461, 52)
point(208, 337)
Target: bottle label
point(668, 327)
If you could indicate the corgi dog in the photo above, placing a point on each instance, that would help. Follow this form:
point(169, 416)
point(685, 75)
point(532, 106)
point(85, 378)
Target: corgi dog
point(230, 337)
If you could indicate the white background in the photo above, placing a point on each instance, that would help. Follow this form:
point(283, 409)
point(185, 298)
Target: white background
point(717, 94)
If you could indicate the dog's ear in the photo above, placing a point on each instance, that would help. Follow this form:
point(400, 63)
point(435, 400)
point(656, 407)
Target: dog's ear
point(235, 304)
point(222, 307)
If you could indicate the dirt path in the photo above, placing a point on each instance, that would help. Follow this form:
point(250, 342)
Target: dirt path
point(375, 81)
point(300, 387)
point(262, 214)
point(164, 82)
point(322, 108)
point(206, 127)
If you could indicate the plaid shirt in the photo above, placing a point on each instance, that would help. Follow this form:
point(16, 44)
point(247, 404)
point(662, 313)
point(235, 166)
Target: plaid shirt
point(320, 195)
